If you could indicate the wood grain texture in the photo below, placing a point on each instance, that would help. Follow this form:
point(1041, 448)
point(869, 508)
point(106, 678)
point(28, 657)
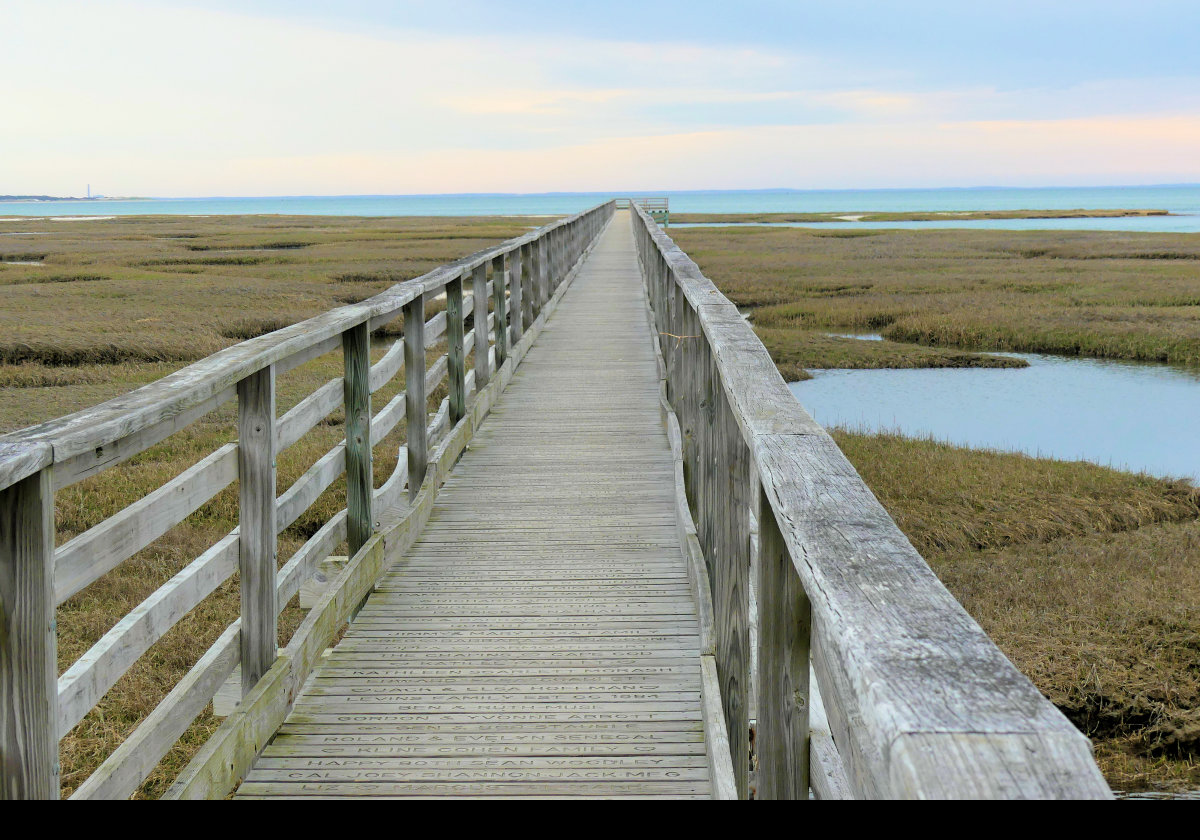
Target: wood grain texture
point(500, 282)
point(28, 692)
point(479, 292)
point(257, 544)
point(414, 394)
point(137, 756)
point(83, 559)
point(94, 673)
point(455, 350)
point(784, 615)
point(356, 352)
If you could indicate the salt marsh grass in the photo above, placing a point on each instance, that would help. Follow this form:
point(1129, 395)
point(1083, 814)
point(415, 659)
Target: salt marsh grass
point(161, 292)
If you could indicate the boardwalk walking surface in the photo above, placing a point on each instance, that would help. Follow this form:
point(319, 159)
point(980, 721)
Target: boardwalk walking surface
point(540, 639)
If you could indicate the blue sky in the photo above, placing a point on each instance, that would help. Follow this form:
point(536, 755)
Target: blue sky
point(222, 97)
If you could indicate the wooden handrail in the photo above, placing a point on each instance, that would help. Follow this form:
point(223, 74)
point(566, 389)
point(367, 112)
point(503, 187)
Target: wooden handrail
point(518, 277)
point(922, 704)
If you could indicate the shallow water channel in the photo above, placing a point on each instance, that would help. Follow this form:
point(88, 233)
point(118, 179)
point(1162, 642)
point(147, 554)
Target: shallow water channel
point(1128, 415)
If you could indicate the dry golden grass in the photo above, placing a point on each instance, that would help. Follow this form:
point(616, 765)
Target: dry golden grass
point(1091, 293)
point(176, 289)
point(1086, 577)
point(72, 345)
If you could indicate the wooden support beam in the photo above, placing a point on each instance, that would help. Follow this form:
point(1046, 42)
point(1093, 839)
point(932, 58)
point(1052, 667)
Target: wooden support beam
point(28, 647)
point(516, 296)
point(529, 284)
point(356, 351)
point(414, 399)
point(479, 290)
point(257, 541)
point(500, 307)
point(784, 623)
point(455, 351)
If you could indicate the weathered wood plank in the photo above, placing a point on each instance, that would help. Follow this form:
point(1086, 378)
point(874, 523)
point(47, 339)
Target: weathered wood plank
point(414, 368)
point(781, 740)
point(455, 351)
point(94, 673)
point(257, 541)
point(137, 756)
point(500, 308)
point(83, 559)
point(483, 370)
point(307, 413)
point(360, 520)
point(28, 694)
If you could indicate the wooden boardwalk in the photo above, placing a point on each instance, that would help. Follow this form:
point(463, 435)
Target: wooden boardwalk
point(526, 623)
point(541, 638)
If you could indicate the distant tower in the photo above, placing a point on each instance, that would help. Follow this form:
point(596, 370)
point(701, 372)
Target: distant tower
point(89, 190)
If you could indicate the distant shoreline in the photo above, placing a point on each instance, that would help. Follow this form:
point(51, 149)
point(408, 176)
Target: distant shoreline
point(913, 216)
point(32, 199)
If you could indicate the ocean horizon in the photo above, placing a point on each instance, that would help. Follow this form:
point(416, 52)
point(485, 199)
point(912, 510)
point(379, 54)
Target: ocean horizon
point(1180, 199)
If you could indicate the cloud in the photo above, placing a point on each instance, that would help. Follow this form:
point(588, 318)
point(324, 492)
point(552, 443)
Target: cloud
point(161, 100)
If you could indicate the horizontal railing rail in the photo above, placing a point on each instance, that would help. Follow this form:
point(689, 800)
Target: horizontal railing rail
point(515, 280)
point(921, 703)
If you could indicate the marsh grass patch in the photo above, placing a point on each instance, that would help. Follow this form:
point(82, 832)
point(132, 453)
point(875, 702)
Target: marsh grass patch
point(247, 328)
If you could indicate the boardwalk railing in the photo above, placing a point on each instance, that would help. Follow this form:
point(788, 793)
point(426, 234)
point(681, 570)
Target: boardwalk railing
point(920, 702)
point(657, 206)
point(37, 707)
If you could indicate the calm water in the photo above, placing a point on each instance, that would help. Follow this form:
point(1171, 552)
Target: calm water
point(1179, 199)
point(1123, 414)
point(1181, 223)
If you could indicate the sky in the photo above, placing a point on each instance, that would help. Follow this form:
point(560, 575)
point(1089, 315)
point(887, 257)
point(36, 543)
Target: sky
point(267, 97)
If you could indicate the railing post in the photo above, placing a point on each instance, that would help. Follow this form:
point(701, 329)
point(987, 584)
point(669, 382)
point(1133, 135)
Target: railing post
point(547, 258)
point(517, 295)
point(28, 641)
point(529, 281)
point(500, 307)
point(560, 257)
point(479, 289)
point(356, 355)
point(455, 351)
point(784, 622)
point(256, 523)
point(414, 397)
point(731, 507)
point(539, 274)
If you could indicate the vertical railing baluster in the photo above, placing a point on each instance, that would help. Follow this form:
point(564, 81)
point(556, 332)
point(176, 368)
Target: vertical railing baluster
point(529, 281)
point(539, 274)
point(516, 305)
point(28, 641)
point(256, 524)
point(784, 622)
point(483, 370)
point(455, 351)
point(356, 354)
point(500, 307)
point(414, 397)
